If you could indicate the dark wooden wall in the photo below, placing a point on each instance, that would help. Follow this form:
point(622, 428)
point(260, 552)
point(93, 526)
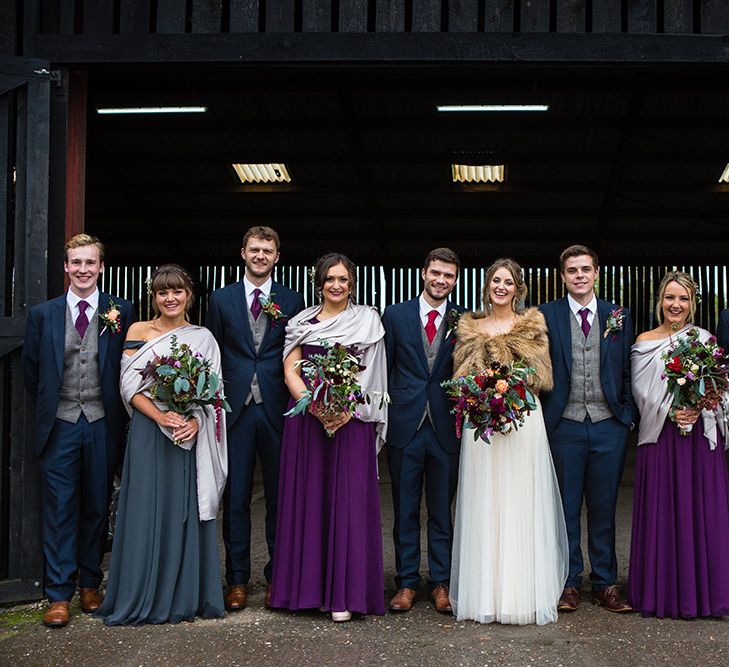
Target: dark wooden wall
point(104, 17)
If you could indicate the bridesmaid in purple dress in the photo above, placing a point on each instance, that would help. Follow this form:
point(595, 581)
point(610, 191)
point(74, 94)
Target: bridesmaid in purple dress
point(680, 544)
point(329, 538)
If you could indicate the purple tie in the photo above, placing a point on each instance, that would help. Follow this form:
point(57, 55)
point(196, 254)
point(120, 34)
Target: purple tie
point(584, 312)
point(256, 304)
point(82, 322)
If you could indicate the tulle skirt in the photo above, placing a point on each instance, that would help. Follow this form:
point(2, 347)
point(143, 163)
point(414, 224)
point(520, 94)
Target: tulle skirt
point(510, 553)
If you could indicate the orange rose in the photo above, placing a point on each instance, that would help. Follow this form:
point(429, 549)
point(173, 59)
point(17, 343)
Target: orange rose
point(502, 386)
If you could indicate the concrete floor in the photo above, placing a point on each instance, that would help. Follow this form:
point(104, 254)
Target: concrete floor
point(256, 636)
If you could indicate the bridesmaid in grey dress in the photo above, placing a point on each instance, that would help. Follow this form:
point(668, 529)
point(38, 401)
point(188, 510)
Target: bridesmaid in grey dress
point(165, 565)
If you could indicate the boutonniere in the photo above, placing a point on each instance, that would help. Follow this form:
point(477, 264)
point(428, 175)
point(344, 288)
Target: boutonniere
point(271, 308)
point(614, 322)
point(110, 318)
point(452, 316)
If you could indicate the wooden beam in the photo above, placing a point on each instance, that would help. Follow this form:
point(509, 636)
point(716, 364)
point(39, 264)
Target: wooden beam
point(384, 48)
point(76, 153)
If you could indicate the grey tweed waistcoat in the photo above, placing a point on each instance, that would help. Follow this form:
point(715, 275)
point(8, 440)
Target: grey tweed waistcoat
point(258, 329)
point(586, 396)
point(81, 387)
point(431, 352)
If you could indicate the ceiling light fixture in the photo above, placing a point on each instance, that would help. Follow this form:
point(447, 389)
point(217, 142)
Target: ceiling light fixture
point(469, 173)
point(493, 107)
point(724, 178)
point(139, 110)
point(262, 173)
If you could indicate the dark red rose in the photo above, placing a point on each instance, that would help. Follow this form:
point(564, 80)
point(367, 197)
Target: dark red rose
point(674, 365)
point(519, 389)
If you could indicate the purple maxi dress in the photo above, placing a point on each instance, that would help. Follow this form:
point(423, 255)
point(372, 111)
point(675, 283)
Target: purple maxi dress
point(679, 555)
point(328, 552)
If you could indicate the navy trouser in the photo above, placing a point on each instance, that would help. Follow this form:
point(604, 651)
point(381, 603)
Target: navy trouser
point(423, 459)
point(253, 433)
point(77, 470)
point(588, 459)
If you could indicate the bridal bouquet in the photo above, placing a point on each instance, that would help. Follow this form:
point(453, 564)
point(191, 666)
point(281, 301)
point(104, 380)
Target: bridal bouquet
point(331, 378)
point(496, 400)
point(697, 374)
point(183, 379)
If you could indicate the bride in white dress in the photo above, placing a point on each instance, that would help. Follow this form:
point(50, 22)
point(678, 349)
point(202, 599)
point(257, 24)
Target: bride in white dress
point(510, 558)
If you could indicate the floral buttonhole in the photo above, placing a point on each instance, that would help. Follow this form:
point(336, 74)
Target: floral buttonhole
point(271, 308)
point(452, 317)
point(111, 318)
point(614, 322)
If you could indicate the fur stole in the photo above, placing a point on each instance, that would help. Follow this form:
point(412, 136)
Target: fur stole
point(527, 341)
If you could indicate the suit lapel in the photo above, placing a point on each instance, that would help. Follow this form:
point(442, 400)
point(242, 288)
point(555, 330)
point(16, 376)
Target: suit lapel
point(603, 311)
point(564, 331)
point(276, 289)
point(240, 308)
point(58, 331)
point(415, 335)
point(103, 339)
point(446, 342)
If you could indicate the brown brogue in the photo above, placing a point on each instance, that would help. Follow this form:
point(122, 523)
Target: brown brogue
point(236, 597)
point(267, 597)
point(57, 615)
point(609, 598)
point(569, 601)
point(90, 599)
point(403, 600)
point(440, 597)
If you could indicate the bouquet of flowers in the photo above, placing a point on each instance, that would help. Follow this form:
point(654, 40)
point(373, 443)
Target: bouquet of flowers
point(697, 374)
point(496, 400)
point(331, 378)
point(183, 379)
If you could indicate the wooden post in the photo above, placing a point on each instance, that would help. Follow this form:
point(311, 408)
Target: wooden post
point(76, 153)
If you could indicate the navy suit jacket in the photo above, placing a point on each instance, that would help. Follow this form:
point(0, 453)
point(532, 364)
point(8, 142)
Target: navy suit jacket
point(722, 331)
point(227, 318)
point(43, 353)
point(614, 362)
point(410, 383)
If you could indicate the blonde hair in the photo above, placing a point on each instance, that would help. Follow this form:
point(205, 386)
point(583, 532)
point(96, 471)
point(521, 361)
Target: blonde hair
point(517, 274)
point(81, 240)
point(687, 282)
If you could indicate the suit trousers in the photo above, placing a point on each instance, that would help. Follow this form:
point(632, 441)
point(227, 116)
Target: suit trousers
point(253, 433)
point(588, 459)
point(77, 472)
point(423, 459)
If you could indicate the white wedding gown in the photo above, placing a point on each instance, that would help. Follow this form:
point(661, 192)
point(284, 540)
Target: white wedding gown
point(510, 557)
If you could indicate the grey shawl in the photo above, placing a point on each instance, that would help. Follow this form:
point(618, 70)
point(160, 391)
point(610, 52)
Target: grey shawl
point(211, 456)
point(651, 392)
point(359, 326)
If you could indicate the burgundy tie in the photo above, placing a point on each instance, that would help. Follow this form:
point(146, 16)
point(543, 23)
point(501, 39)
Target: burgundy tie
point(256, 307)
point(430, 329)
point(82, 322)
point(584, 312)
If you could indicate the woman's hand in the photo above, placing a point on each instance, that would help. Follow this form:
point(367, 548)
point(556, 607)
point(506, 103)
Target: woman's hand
point(336, 422)
point(686, 416)
point(170, 420)
point(186, 432)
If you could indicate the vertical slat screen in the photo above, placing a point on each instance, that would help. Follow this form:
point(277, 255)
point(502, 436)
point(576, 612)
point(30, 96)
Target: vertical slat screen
point(642, 16)
point(606, 16)
point(634, 287)
point(571, 15)
point(243, 16)
point(498, 15)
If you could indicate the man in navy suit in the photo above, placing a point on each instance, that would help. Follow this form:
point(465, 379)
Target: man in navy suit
point(588, 415)
point(722, 331)
point(251, 336)
point(422, 446)
point(71, 358)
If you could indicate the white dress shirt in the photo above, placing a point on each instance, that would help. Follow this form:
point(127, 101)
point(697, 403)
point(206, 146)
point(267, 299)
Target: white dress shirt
point(425, 308)
point(250, 288)
point(576, 308)
point(73, 299)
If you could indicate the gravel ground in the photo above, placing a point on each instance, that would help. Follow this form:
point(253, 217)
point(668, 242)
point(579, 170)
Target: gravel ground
point(256, 636)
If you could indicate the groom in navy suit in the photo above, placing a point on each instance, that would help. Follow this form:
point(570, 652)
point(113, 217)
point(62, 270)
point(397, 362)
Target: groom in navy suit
point(588, 415)
point(248, 319)
point(422, 446)
point(722, 331)
point(71, 359)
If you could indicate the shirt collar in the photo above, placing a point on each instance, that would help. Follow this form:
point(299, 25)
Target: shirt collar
point(425, 307)
point(576, 307)
point(265, 288)
point(73, 299)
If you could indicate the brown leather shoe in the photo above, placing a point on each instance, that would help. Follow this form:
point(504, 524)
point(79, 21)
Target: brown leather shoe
point(569, 601)
point(267, 597)
point(403, 600)
point(57, 615)
point(236, 597)
point(440, 597)
point(90, 599)
point(610, 599)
